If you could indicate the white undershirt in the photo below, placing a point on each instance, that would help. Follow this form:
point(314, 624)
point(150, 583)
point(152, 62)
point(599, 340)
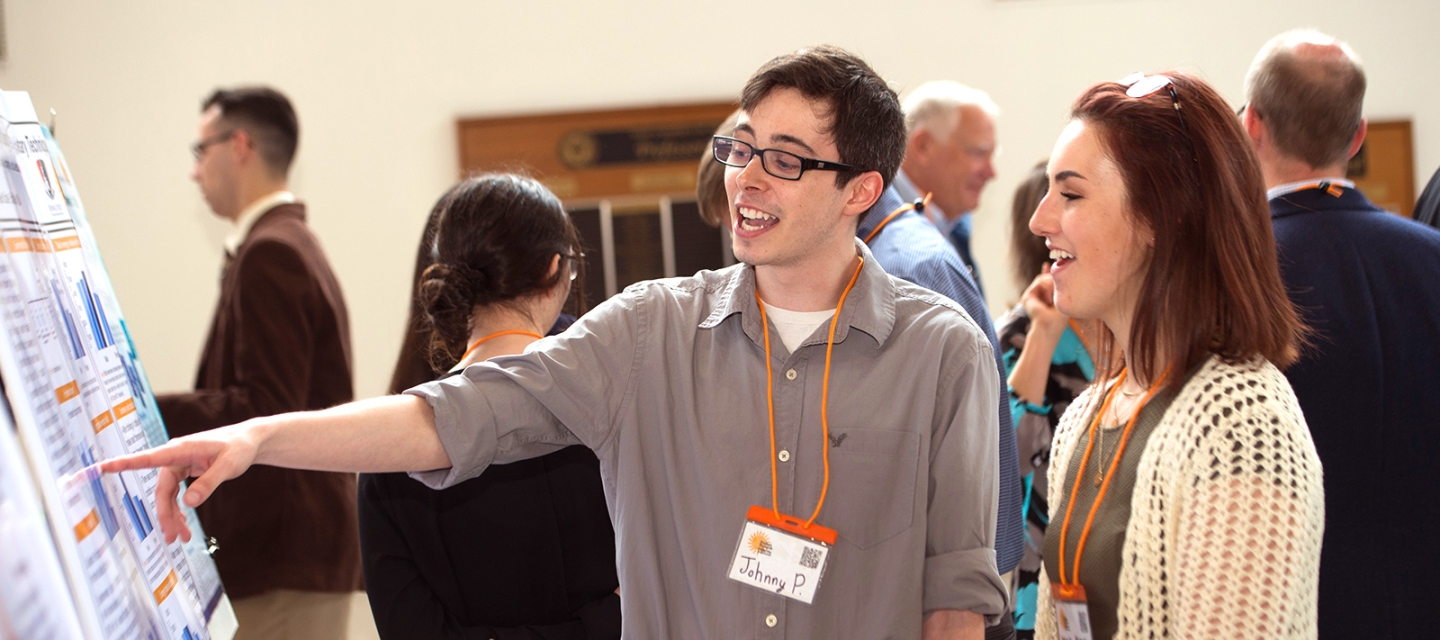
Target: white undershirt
point(250, 214)
point(795, 326)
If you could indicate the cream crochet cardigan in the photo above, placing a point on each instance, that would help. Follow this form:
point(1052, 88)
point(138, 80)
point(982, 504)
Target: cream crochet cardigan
point(1227, 514)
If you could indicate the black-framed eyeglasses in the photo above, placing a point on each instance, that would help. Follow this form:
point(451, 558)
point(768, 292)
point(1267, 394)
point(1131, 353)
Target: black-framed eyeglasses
point(781, 164)
point(572, 264)
point(198, 149)
point(1139, 85)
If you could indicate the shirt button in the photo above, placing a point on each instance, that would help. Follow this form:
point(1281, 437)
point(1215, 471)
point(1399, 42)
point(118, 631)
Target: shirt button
point(790, 375)
point(784, 456)
point(771, 620)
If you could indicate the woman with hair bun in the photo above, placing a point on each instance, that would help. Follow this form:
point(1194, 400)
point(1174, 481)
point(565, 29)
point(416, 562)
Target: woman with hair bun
point(525, 550)
point(1185, 491)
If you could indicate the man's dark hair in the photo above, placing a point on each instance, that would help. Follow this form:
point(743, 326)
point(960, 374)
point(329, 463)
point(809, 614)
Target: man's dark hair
point(1310, 104)
point(266, 116)
point(866, 121)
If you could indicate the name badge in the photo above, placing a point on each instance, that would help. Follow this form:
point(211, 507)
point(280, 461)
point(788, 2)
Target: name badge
point(779, 555)
point(1072, 612)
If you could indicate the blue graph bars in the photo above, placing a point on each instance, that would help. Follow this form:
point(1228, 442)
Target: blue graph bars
point(96, 313)
point(76, 346)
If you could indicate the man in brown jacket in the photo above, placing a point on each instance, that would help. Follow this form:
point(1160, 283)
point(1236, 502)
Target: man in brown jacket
point(280, 341)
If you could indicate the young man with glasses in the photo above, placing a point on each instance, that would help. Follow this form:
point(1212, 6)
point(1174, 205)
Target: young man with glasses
point(907, 246)
point(289, 547)
point(840, 479)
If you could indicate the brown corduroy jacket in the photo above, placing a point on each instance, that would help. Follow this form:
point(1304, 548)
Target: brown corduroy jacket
point(279, 341)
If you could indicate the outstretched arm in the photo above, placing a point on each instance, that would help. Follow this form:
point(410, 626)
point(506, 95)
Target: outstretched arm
point(393, 433)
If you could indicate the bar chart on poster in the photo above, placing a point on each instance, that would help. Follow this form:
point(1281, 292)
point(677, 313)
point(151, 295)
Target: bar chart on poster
point(80, 553)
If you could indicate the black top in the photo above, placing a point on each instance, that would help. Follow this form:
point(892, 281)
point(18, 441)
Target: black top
point(526, 550)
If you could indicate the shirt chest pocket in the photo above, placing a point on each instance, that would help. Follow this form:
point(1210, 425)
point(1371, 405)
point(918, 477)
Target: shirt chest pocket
point(873, 476)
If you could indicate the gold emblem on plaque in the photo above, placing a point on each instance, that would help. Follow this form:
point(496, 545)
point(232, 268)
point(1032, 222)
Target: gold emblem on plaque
point(578, 149)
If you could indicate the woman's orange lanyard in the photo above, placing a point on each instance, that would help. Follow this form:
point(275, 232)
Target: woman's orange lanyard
point(1074, 577)
point(918, 205)
point(507, 332)
point(824, 402)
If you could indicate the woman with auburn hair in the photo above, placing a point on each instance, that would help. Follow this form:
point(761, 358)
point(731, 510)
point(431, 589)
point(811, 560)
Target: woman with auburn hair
point(1185, 491)
point(525, 550)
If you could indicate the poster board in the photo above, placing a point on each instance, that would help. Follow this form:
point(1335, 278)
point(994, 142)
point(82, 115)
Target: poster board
point(78, 395)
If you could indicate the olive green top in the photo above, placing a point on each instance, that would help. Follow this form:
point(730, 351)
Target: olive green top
point(1100, 563)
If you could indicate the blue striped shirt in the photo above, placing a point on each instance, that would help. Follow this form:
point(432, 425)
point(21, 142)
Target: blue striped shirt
point(910, 248)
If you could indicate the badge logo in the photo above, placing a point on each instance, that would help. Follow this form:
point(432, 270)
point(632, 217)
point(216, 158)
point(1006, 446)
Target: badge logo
point(760, 543)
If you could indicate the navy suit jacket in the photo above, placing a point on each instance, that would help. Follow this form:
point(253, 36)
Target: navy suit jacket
point(1368, 283)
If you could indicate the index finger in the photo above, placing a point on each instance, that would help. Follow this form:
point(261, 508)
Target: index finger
point(166, 455)
point(174, 453)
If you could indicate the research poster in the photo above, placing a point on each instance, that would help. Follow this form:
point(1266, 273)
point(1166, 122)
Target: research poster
point(35, 601)
point(79, 396)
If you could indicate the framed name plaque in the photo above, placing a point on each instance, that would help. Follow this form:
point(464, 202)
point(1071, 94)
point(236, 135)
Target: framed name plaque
point(627, 177)
point(1384, 168)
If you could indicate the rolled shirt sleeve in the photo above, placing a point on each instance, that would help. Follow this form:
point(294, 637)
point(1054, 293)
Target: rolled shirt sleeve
point(960, 571)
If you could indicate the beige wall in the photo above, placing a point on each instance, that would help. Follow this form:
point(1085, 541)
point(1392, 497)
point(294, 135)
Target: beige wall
point(379, 85)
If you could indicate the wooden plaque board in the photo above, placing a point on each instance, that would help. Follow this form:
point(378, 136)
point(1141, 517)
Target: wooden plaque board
point(597, 154)
point(1384, 168)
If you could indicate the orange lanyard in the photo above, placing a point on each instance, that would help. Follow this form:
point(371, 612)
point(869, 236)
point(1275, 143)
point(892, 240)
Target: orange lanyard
point(1110, 473)
point(824, 401)
point(1334, 190)
point(507, 332)
point(918, 205)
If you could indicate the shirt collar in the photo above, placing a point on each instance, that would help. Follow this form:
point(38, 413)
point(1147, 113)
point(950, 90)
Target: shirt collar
point(246, 220)
point(905, 186)
point(932, 212)
point(870, 306)
point(890, 199)
point(1292, 187)
point(910, 193)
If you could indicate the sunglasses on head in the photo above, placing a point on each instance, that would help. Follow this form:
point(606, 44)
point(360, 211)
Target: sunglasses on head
point(1139, 85)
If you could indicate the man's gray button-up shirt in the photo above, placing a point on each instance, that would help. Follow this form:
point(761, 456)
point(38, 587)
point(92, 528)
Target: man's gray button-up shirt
point(666, 382)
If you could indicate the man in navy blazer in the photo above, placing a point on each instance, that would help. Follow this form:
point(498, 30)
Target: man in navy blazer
point(1368, 284)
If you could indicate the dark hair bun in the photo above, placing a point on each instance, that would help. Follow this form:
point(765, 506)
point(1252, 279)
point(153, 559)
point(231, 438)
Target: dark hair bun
point(496, 236)
point(446, 294)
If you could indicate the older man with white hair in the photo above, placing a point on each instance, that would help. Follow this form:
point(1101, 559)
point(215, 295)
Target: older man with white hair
point(950, 152)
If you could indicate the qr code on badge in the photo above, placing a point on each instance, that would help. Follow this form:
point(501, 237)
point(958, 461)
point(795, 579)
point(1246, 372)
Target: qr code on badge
point(810, 558)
